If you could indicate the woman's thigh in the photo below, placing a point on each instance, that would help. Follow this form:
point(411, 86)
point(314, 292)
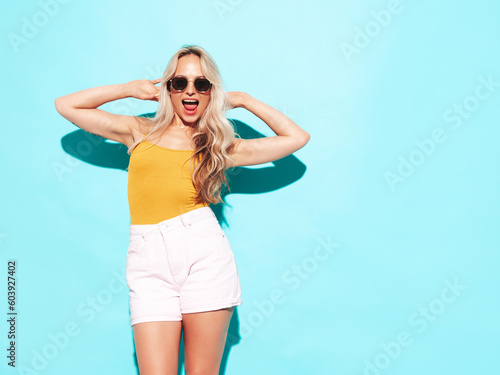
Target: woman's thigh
point(205, 336)
point(157, 347)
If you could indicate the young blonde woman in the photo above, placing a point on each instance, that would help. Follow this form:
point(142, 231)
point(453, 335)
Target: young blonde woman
point(180, 270)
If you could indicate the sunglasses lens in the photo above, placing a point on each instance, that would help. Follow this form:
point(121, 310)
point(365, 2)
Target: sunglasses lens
point(179, 83)
point(202, 84)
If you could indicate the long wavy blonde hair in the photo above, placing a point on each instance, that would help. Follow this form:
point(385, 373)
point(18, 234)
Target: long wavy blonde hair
point(213, 135)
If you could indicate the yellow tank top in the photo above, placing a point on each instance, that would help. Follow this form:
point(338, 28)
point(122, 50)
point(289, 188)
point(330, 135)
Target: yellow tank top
point(160, 186)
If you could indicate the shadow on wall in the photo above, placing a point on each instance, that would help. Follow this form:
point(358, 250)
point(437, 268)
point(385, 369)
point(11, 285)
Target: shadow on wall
point(98, 151)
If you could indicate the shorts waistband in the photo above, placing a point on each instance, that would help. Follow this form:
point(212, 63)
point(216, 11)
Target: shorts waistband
point(182, 220)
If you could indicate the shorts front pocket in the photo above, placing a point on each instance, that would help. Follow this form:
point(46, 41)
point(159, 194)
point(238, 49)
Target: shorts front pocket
point(137, 266)
point(205, 228)
point(136, 244)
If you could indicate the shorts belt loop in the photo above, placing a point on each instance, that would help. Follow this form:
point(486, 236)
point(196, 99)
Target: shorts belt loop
point(185, 220)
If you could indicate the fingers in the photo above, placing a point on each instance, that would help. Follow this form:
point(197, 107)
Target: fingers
point(157, 80)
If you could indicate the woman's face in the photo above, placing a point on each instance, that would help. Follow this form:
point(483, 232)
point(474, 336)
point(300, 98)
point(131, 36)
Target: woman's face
point(189, 66)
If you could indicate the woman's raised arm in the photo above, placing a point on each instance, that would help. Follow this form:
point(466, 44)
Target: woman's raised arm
point(80, 108)
point(289, 136)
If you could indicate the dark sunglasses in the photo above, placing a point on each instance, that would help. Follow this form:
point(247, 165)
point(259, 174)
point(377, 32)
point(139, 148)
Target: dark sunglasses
point(180, 84)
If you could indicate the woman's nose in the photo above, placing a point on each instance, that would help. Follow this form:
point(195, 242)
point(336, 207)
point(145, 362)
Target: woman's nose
point(190, 87)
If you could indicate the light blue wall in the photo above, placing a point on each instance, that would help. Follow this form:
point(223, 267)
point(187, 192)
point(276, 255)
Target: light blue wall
point(381, 259)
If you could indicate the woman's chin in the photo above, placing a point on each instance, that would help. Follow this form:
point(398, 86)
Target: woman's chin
point(190, 120)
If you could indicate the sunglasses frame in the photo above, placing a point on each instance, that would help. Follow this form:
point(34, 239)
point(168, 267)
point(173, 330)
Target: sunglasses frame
point(170, 87)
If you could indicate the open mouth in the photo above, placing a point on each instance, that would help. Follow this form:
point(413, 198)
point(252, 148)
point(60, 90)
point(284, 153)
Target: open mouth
point(190, 104)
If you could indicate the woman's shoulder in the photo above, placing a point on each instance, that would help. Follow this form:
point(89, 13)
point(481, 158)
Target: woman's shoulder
point(140, 127)
point(143, 123)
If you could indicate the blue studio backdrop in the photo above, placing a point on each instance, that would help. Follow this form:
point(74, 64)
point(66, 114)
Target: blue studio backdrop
point(372, 250)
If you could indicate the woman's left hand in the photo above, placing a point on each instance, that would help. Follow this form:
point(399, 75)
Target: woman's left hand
point(236, 99)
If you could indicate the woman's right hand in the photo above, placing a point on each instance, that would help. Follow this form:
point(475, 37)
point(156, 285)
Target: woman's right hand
point(144, 89)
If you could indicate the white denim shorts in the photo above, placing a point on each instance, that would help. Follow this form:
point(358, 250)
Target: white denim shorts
point(180, 265)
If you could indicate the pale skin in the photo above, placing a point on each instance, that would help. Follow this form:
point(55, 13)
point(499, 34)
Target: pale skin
point(205, 333)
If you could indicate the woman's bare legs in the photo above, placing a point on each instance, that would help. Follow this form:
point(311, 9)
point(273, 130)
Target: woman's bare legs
point(205, 333)
point(204, 339)
point(157, 347)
